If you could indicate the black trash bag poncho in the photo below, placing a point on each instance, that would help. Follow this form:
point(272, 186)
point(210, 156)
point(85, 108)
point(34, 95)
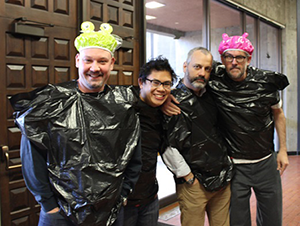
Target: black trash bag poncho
point(247, 120)
point(195, 134)
point(88, 140)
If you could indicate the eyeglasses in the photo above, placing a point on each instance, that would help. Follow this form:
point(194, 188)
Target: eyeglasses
point(239, 59)
point(157, 83)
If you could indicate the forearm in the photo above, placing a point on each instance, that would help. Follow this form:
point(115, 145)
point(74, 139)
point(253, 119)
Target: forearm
point(282, 156)
point(280, 125)
point(132, 171)
point(35, 173)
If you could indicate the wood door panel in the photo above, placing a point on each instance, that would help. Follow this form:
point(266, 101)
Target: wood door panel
point(127, 18)
point(113, 78)
point(15, 47)
point(126, 77)
point(55, 12)
point(62, 6)
point(14, 137)
point(129, 2)
point(39, 76)
point(27, 63)
point(96, 11)
point(40, 48)
point(19, 199)
point(113, 14)
point(127, 57)
point(62, 74)
point(15, 76)
point(15, 2)
point(39, 4)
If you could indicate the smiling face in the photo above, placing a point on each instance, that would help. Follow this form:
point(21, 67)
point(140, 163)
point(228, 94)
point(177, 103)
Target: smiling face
point(235, 70)
point(94, 67)
point(155, 96)
point(197, 71)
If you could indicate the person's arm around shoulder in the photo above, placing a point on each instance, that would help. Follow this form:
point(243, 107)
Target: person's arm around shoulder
point(169, 108)
point(280, 125)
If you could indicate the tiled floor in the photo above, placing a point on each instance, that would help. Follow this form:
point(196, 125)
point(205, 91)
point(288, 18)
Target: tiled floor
point(291, 197)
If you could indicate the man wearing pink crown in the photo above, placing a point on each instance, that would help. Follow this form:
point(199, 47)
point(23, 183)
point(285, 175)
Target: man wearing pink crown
point(250, 107)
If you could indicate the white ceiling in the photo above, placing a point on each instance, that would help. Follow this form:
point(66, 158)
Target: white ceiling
point(187, 16)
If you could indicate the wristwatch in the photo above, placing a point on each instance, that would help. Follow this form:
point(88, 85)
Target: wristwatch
point(190, 181)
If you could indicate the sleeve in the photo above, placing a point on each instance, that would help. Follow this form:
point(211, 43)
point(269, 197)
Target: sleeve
point(175, 162)
point(178, 138)
point(35, 173)
point(132, 172)
point(278, 105)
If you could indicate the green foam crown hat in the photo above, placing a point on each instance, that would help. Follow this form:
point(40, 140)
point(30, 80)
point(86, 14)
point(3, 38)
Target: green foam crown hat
point(102, 39)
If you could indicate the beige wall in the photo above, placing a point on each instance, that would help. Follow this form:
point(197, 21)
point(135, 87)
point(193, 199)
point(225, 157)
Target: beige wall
point(284, 12)
point(273, 9)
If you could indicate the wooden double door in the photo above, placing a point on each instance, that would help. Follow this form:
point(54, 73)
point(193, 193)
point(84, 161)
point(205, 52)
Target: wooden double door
point(36, 48)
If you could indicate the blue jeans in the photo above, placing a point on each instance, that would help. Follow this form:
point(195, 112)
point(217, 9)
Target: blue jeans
point(144, 215)
point(53, 219)
point(120, 219)
point(56, 219)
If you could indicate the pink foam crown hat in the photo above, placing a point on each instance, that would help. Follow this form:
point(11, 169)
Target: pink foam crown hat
point(236, 43)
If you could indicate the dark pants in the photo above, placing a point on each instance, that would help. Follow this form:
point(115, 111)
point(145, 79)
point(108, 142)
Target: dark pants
point(144, 215)
point(120, 219)
point(53, 219)
point(265, 180)
point(56, 219)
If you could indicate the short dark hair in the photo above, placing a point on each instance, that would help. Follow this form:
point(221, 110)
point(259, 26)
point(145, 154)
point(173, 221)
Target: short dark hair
point(156, 64)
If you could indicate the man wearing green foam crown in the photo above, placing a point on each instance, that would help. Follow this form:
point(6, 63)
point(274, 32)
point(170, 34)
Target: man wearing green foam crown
point(80, 146)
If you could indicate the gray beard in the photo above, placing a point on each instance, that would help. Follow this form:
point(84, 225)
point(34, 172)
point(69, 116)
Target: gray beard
point(198, 85)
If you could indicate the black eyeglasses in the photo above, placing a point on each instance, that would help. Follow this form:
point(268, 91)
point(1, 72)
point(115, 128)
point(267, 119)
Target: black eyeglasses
point(157, 83)
point(239, 59)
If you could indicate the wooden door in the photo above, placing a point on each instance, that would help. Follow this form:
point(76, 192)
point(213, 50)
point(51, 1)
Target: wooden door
point(28, 62)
